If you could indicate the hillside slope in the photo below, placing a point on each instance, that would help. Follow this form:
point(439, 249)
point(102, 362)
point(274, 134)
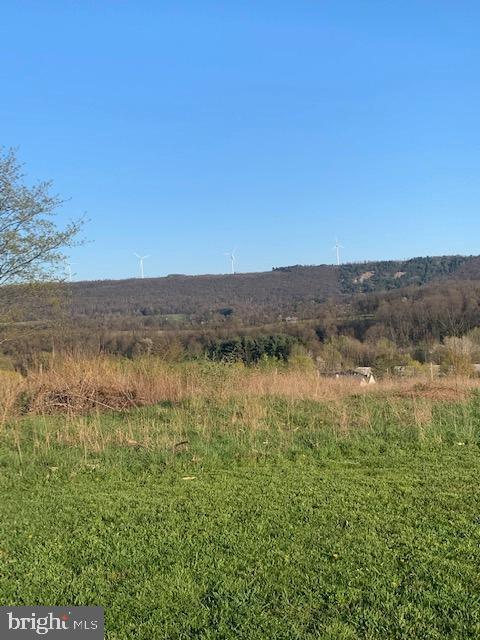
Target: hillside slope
point(250, 297)
point(281, 290)
point(203, 294)
point(394, 274)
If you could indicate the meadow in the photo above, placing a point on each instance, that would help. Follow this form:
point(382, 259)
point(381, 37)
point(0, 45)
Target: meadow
point(211, 501)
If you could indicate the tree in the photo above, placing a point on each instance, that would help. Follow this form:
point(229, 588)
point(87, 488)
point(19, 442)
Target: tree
point(31, 247)
point(30, 242)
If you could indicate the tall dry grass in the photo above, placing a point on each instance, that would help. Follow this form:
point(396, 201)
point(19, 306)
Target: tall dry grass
point(233, 399)
point(79, 385)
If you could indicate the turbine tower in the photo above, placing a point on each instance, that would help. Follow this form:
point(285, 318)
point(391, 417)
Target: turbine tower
point(141, 259)
point(231, 255)
point(69, 270)
point(337, 248)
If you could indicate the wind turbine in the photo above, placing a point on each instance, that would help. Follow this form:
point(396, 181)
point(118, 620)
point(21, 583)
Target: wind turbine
point(337, 248)
point(141, 258)
point(231, 255)
point(69, 270)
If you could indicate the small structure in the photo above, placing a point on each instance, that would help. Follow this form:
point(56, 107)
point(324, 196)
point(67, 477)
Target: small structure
point(363, 374)
point(365, 371)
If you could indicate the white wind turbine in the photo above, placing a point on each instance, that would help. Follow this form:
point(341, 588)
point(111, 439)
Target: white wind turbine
point(69, 270)
point(231, 255)
point(141, 259)
point(337, 248)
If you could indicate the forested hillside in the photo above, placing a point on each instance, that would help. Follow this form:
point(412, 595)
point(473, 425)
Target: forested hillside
point(383, 276)
point(417, 302)
point(245, 294)
point(293, 292)
point(254, 297)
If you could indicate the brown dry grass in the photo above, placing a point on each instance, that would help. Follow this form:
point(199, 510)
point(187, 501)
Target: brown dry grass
point(79, 385)
point(233, 399)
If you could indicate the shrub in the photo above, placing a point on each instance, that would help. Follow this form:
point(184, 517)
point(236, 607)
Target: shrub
point(300, 359)
point(458, 356)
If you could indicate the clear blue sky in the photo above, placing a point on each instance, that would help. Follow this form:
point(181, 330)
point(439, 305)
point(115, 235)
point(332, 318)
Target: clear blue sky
point(185, 128)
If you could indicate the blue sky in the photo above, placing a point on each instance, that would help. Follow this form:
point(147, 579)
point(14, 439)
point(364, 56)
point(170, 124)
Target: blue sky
point(183, 129)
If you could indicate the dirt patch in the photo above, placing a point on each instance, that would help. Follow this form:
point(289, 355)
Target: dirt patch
point(364, 277)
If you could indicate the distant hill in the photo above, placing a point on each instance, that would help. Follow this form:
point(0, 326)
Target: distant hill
point(201, 295)
point(281, 289)
point(253, 297)
point(416, 302)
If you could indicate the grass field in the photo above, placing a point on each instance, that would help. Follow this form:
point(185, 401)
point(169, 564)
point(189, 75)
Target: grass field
point(259, 518)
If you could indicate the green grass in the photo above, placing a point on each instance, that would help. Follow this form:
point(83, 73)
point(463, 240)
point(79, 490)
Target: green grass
point(297, 529)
